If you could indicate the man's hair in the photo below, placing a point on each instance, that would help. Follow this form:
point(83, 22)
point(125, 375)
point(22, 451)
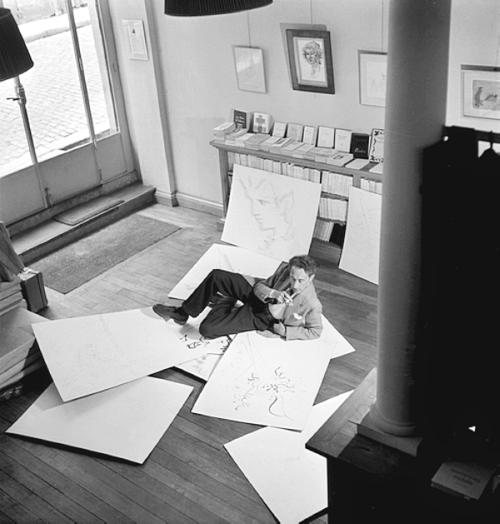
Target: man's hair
point(304, 262)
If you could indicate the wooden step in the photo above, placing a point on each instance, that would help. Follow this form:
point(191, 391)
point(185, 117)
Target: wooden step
point(52, 235)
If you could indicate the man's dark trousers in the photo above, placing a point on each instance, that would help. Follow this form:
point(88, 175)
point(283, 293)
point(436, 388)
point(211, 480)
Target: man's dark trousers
point(224, 318)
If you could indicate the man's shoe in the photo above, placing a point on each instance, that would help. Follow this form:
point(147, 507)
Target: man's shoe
point(170, 312)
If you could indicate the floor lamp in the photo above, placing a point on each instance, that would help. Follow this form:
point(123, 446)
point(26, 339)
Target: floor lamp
point(15, 59)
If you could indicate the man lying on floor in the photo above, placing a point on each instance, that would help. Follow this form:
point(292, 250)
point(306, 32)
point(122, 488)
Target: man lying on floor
point(284, 305)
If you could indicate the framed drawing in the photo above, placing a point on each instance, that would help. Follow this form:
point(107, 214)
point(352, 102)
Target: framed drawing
point(310, 56)
point(135, 39)
point(372, 78)
point(249, 63)
point(481, 92)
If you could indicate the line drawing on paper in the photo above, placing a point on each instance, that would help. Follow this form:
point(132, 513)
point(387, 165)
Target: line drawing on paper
point(263, 384)
point(271, 212)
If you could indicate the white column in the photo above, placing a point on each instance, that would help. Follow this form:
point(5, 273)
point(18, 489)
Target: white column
point(415, 116)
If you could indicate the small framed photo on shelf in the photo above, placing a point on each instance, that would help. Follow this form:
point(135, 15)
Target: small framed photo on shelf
point(481, 92)
point(249, 63)
point(372, 78)
point(376, 146)
point(310, 55)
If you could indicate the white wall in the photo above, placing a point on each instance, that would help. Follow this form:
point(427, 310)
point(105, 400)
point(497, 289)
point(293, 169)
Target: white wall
point(198, 82)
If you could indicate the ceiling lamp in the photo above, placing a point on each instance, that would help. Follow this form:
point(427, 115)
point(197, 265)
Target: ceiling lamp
point(14, 55)
point(211, 7)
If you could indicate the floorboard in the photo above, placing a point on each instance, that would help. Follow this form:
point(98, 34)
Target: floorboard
point(189, 477)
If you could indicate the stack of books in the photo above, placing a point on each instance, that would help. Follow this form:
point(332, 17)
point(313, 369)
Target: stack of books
point(11, 296)
point(254, 141)
point(220, 132)
point(230, 138)
point(19, 352)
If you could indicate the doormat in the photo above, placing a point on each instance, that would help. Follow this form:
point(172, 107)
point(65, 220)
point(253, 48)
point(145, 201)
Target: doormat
point(83, 260)
point(83, 212)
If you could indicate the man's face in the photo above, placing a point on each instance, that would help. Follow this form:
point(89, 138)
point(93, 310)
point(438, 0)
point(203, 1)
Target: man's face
point(299, 279)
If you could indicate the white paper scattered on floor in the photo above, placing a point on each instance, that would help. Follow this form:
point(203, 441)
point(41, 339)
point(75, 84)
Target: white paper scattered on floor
point(230, 258)
point(271, 214)
point(189, 335)
point(125, 422)
point(265, 381)
point(86, 355)
point(290, 479)
point(361, 251)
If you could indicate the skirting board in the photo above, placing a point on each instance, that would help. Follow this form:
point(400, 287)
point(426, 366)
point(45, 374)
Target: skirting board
point(198, 204)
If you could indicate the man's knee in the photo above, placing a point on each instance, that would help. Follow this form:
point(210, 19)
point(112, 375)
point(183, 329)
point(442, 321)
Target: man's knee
point(208, 330)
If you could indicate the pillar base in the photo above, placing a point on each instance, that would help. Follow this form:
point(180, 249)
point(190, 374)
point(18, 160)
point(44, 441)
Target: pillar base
point(407, 444)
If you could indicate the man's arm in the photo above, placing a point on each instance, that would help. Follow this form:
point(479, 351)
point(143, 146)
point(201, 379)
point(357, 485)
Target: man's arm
point(265, 290)
point(311, 329)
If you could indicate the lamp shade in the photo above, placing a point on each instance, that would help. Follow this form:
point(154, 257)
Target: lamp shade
point(210, 7)
point(14, 55)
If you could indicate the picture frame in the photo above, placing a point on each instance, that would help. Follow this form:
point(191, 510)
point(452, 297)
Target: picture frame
point(481, 92)
point(310, 59)
point(249, 65)
point(372, 78)
point(135, 39)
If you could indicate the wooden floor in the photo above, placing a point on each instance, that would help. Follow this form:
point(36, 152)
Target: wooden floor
point(189, 477)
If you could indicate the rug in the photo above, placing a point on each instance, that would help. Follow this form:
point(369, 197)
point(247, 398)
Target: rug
point(87, 210)
point(73, 265)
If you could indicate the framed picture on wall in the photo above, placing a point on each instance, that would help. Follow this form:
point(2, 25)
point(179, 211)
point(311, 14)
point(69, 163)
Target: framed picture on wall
point(481, 92)
point(372, 78)
point(310, 56)
point(249, 63)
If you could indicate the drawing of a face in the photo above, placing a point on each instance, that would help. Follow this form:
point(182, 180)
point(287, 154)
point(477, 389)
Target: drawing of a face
point(299, 279)
point(271, 212)
point(313, 54)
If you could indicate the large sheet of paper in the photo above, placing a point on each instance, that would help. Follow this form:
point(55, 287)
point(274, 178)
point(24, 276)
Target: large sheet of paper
point(89, 354)
point(265, 381)
point(271, 214)
point(333, 339)
point(190, 337)
point(125, 422)
point(230, 258)
point(361, 251)
point(290, 479)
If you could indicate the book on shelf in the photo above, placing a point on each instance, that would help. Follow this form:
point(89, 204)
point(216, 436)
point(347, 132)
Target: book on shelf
point(240, 140)
point(376, 153)
point(262, 123)
point(302, 150)
point(295, 131)
point(339, 159)
point(320, 154)
point(279, 144)
point(360, 144)
point(309, 135)
point(357, 163)
point(231, 137)
point(326, 137)
point(223, 129)
point(279, 129)
point(254, 141)
point(343, 140)
point(242, 119)
point(289, 148)
point(266, 144)
point(377, 168)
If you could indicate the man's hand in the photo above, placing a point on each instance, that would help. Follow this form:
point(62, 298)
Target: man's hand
point(279, 329)
point(281, 297)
